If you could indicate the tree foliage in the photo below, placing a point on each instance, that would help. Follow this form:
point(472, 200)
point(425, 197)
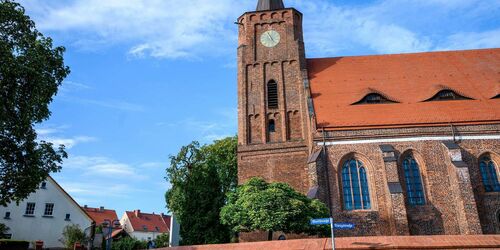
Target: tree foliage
point(31, 71)
point(260, 206)
point(200, 177)
point(72, 234)
point(129, 243)
point(162, 240)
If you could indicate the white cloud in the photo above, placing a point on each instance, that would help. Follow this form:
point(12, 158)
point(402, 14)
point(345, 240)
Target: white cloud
point(104, 167)
point(471, 40)
point(200, 28)
point(158, 28)
point(53, 134)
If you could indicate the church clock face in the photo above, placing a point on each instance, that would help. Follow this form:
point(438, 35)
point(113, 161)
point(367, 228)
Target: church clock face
point(270, 38)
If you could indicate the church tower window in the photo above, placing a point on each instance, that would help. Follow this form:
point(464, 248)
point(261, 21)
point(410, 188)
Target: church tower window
point(413, 181)
point(355, 186)
point(272, 95)
point(271, 127)
point(489, 174)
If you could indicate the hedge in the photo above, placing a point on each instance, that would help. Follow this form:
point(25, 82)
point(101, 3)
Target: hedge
point(14, 244)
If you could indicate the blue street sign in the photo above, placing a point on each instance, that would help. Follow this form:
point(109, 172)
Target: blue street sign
point(323, 221)
point(345, 226)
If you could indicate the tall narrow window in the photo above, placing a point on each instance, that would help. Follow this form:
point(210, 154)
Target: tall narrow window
point(68, 217)
point(49, 209)
point(272, 95)
point(355, 185)
point(30, 208)
point(413, 181)
point(44, 185)
point(271, 127)
point(7, 215)
point(489, 174)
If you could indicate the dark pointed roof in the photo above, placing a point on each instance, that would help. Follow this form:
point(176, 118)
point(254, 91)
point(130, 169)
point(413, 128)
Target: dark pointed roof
point(270, 5)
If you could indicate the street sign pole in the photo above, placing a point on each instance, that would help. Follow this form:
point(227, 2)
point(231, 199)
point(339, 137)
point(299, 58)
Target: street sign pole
point(333, 235)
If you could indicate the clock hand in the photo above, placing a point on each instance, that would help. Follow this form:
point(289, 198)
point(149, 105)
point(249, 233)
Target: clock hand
point(270, 37)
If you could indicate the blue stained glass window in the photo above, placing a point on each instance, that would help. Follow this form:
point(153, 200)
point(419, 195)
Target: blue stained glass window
point(489, 175)
point(413, 181)
point(355, 186)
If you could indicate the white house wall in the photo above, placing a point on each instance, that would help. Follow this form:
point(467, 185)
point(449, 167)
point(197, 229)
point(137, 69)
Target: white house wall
point(47, 229)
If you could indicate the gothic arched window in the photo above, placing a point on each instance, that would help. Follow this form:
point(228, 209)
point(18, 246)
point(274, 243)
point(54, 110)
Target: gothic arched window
point(272, 95)
point(413, 181)
point(355, 185)
point(489, 174)
point(271, 128)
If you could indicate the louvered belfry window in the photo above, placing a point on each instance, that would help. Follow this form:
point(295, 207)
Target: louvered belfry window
point(272, 95)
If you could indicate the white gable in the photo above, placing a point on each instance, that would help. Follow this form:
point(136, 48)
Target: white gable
point(40, 226)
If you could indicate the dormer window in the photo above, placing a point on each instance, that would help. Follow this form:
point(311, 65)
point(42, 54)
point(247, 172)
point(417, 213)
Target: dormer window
point(496, 97)
point(447, 95)
point(374, 98)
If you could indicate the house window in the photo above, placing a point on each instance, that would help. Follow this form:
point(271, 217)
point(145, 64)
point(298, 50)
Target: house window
point(489, 174)
point(7, 215)
point(145, 228)
point(44, 185)
point(413, 181)
point(30, 208)
point(49, 209)
point(68, 217)
point(271, 126)
point(355, 185)
point(447, 95)
point(272, 95)
point(374, 98)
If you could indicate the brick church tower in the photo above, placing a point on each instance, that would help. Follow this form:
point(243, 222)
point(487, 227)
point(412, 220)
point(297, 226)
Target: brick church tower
point(272, 116)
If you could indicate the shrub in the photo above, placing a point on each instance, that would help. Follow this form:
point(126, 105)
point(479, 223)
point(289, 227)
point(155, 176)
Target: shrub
point(129, 243)
point(71, 235)
point(162, 240)
point(14, 245)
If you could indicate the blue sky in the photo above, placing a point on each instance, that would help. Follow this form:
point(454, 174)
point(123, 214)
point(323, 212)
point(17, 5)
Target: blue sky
point(150, 76)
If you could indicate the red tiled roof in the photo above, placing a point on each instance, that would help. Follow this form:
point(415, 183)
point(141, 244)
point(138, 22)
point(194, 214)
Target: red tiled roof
point(149, 222)
point(410, 79)
point(99, 216)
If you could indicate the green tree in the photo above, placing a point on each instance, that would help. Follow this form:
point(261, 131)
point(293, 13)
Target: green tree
point(72, 234)
point(162, 240)
point(129, 243)
point(260, 206)
point(200, 177)
point(31, 71)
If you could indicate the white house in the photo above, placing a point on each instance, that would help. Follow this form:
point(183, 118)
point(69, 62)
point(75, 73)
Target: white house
point(144, 226)
point(43, 215)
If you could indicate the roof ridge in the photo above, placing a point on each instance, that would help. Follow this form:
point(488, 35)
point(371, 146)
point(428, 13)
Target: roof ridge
point(407, 53)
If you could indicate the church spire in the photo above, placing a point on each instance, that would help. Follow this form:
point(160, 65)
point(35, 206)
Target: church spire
point(270, 5)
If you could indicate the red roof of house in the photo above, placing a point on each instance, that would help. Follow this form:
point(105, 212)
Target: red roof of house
point(99, 215)
point(149, 222)
point(409, 79)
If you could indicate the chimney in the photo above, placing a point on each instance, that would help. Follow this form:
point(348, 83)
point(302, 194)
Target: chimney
point(85, 206)
point(101, 209)
point(137, 212)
